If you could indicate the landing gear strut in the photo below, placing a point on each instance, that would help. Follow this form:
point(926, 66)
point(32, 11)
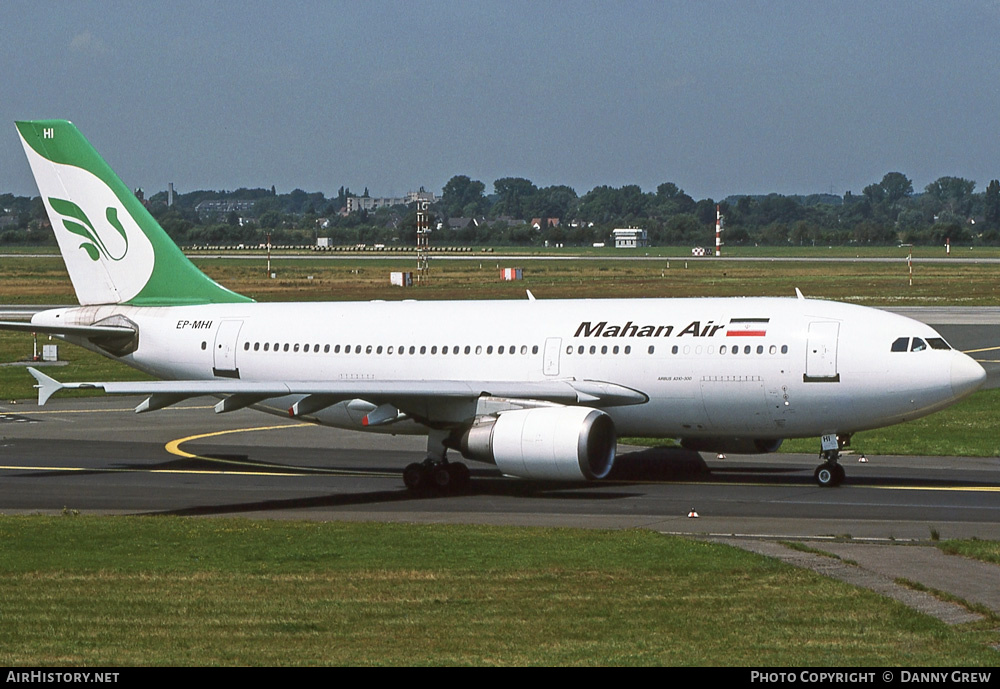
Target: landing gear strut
point(436, 472)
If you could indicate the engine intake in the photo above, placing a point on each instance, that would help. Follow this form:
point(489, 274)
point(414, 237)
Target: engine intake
point(553, 443)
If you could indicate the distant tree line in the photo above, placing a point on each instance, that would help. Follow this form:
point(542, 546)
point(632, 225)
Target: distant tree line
point(518, 212)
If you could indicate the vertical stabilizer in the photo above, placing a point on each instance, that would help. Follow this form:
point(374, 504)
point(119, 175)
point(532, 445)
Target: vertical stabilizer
point(114, 250)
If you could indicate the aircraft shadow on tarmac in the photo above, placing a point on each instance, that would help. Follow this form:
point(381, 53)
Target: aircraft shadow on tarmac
point(631, 470)
point(664, 464)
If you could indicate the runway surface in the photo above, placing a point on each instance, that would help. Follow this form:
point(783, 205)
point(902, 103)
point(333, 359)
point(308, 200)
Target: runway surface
point(95, 455)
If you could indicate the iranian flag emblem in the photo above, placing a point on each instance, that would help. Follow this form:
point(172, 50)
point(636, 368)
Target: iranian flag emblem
point(747, 327)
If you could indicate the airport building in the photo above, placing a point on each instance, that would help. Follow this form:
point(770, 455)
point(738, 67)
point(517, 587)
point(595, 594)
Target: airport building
point(630, 238)
point(370, 203)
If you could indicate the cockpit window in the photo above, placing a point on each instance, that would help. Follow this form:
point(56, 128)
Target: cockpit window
point(916, 344)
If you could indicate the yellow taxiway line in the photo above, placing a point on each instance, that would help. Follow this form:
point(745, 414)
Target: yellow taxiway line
point(174, 448)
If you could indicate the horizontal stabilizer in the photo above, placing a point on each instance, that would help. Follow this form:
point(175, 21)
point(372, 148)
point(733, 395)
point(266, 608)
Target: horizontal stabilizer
point(80, 330)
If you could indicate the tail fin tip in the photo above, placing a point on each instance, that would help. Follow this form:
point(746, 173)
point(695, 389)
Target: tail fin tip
point(114, 250)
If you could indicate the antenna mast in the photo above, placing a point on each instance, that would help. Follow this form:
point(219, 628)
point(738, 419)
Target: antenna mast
point(423, 237)
point(718, 230)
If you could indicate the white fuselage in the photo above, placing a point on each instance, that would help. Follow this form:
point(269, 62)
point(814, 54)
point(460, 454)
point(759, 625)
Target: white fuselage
point(741, 367)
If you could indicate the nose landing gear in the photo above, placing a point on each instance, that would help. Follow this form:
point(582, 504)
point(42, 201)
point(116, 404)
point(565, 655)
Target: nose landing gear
point(831, 473)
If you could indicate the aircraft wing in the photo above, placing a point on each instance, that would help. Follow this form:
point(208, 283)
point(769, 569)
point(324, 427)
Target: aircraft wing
point(320, 394)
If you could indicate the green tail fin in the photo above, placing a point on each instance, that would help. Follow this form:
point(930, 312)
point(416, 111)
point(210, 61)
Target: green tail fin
point(115, 251)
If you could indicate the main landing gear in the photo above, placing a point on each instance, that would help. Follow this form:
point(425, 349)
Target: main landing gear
point(446, 477)
point(436, 472)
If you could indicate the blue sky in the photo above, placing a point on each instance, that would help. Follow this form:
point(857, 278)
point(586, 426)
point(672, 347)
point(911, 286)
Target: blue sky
point(718, 97)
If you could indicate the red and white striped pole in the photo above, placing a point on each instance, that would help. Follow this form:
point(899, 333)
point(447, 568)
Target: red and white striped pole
point(718, 231)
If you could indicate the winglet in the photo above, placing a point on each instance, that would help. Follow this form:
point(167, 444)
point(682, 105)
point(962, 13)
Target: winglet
point(47, 386)
point(798, 293)
point(531, 297)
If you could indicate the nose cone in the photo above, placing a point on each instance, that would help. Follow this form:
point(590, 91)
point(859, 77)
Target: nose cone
point(966, 375)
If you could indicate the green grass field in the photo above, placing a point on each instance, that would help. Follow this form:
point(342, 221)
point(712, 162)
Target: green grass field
point(32, 280)
point(171, 591)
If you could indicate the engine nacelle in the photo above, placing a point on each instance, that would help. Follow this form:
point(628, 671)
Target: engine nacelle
point(736, 446)
point(556, 443)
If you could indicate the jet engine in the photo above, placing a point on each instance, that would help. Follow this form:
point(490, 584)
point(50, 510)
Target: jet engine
point(736, 446)
point(549, 443)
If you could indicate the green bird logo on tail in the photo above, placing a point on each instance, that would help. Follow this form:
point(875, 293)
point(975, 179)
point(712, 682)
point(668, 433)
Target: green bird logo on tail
point(81, 225)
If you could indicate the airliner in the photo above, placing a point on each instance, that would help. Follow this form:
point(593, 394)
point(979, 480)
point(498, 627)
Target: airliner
point(540, 388)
